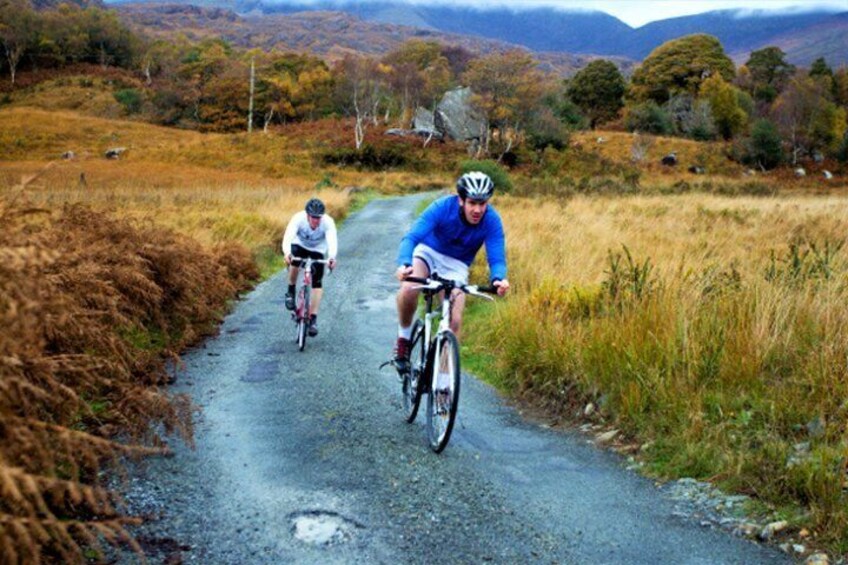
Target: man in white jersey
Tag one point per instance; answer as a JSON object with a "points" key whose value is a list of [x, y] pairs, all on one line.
{"points": [[310, 233]]}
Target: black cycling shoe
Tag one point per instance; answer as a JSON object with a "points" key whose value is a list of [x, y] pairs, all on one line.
{"points": [[313, 327], [289, 301], [402, 354]]}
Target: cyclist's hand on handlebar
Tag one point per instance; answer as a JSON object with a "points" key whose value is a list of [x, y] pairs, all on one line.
{"points": [[402, 272], [289, 259], [502, 286], [332, 264]]}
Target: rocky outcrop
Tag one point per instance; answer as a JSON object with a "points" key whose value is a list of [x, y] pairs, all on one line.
{"points": [[457, 119]]}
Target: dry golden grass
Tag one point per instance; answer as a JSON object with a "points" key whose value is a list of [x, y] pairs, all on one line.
{"points": [[723, 342], [89, 306]]}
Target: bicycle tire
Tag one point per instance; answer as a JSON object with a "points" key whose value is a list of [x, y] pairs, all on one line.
{"points": [[410, 388], [441, 412], [303, 318]]}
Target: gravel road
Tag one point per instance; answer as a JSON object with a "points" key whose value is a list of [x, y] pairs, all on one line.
{"points": [[305, 457]]}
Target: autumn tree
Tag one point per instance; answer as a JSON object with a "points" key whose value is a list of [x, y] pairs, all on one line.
{"points": [[840, 86], [769, 72], [294, 86], [723, 98], [680, 65], [598, 89], [360, 88], [419, 74], [806, 118], [507, 87], [17, 31]]}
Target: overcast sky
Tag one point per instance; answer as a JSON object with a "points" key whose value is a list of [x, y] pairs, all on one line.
{"points": [[638, 12]]}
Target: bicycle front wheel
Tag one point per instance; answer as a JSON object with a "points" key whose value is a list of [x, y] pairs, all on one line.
{"points": [[411, 379], [443, 400], [302, 317]]}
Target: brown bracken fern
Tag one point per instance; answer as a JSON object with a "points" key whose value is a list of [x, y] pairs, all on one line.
{"points": [[91, 309]]}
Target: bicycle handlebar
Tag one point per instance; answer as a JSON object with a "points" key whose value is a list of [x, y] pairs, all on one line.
{"points": [[435, 283]]}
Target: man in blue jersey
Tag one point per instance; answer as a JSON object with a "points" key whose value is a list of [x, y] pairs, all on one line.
{"points": [[445, 239]]}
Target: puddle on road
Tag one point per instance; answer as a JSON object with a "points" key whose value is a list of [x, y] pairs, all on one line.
{"points": [[322, 528]]}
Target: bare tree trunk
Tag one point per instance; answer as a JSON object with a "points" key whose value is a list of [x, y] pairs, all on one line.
{"points": [[268, 117], [252, 87], [358, 130], [13, 56], [148, 79]]}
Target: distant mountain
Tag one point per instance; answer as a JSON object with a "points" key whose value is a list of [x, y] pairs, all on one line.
{"points": [[327, 34], [53, 4], [597, 33], [540, 29], [828, 39], [804, 36], [741, 32]]}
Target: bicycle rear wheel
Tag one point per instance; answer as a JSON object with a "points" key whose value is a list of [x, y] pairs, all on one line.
{"points": [[417, 367], [443, 400], [302, 317]]}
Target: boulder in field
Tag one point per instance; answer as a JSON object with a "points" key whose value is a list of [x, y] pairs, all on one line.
{"points": [[456, 118]]}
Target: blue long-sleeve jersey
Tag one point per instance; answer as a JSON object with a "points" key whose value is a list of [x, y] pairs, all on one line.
{"points": [[443, 228]]}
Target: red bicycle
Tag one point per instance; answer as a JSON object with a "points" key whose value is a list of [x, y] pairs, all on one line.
{"points": [[300, 315]]}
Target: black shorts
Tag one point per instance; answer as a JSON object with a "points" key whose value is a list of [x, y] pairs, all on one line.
{"points": [[317, 268]]}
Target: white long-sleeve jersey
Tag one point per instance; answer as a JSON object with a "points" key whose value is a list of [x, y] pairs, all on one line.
{"points": [[322, 239]]}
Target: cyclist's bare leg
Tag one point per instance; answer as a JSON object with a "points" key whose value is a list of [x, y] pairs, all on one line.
{"points": [[315, 301], [293, 271], [407, 297], [456, 313]]}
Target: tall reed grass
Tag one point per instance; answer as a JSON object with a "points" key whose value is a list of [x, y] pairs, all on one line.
{"points": [[712, 330]]}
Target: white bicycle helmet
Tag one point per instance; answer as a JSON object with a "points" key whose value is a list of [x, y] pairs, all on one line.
{"points": [[475, 185]]}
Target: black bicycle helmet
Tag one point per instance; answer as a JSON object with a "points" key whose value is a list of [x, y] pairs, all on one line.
{"points": [[475, 185], [315, 207]]}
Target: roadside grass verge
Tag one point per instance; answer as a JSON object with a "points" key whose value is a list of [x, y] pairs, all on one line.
{"points": [[710, 329], [91, 307]]}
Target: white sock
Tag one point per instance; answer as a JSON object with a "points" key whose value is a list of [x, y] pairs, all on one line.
{"points": [[404, 332]]}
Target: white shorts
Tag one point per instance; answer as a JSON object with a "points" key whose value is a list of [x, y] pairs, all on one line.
{"points": [[446, 267]]}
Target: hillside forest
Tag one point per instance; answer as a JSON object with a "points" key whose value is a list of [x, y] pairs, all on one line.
{"points": [[695, 311], [773, 112]]}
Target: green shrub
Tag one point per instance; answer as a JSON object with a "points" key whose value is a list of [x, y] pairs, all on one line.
{"points": [[648, 117], [130, 99], [369, 157], [498, 175], [764, 146]]}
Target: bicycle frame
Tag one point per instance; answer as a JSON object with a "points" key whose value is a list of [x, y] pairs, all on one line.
{"points": [[300, 315], [442, 397]]}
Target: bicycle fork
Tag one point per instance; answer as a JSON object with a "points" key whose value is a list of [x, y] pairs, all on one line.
{"points": [[434, 357]]}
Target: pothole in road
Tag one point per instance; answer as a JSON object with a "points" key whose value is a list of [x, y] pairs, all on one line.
{"points": [[318, 527]]}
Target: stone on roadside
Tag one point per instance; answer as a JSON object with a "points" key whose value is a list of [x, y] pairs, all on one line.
{"points": [[589, 409], [606, 437], [746, 530], [770, 530], [817, 559]]}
